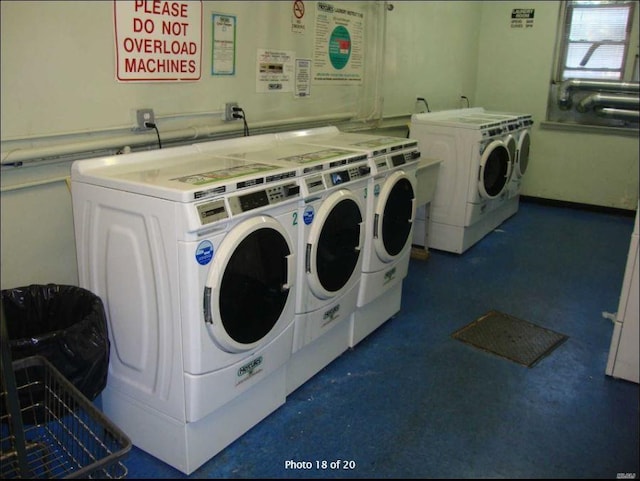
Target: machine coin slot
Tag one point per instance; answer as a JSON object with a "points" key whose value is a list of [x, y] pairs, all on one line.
{"points": [[364, 170], [397, 160], [382, 164], [315, 184], [212, 211], [291, 190]]}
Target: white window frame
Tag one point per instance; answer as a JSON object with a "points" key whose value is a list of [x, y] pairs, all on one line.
{"points": [[603, 95], [611, 71]]}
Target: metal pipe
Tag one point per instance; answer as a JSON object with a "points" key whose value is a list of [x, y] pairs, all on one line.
{"points": [[608, 100], [632, 115], [18, 155], [564, 91]]}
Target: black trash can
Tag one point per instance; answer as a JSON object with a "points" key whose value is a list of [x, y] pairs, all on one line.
{"points": [[64, 324]]}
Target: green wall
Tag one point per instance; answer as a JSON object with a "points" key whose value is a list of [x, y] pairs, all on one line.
{"points": [[514, 72]]}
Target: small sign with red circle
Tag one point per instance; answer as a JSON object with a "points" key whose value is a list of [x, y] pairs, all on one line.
{"points": [[297, 17]]}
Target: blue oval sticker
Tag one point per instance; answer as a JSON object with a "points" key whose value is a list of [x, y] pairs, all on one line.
{"points": [[308, 215], [204, 252]]}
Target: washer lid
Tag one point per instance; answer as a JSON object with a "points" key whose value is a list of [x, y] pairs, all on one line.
{"points": [[303, 158], [180, 174], [373, 145]]}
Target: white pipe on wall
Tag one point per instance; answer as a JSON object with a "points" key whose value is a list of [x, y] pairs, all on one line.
{"points": [[18, 155]]}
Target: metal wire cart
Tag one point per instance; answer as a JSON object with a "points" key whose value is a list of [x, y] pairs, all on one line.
{"points": [[49, 429]]}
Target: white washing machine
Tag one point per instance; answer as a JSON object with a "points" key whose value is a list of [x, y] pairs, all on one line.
{"points": [[391, 207], [519, 126], [195, 258], [471, 192], [331, 221], [522, 135]]}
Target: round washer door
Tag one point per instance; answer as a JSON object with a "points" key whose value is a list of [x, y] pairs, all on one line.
{"points": [[524, 143], [334, 246], [512, 147], [393, 217], [495, 164], [249, 284]]}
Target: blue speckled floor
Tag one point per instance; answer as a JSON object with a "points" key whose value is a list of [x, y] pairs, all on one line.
{"points": [[411, 402]]}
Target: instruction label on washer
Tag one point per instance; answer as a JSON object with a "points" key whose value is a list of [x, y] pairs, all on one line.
{"points": [[224, 174], [316, 156]]}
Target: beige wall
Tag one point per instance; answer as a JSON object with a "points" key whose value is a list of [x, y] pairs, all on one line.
{"points": [[514, 73], [431, 52]]}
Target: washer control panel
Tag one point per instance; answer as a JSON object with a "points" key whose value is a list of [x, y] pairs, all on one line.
{"points": [[268, 196]]}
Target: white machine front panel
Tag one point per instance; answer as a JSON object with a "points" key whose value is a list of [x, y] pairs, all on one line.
{"points": [[226, 344], [241, 247]]}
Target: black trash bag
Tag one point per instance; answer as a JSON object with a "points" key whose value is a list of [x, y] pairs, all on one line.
{"points": [[64, 324]]}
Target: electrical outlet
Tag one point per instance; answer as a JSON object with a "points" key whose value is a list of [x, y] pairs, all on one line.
{"points": [[228, 110], [143, 116]]}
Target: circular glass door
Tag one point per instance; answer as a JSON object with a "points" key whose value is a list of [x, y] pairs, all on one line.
{"points": [[494, 169], [249, 283], [512, 147], [335, 244], [523, 153], [394, 215]]}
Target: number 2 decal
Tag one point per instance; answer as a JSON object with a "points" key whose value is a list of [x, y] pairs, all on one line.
{"points": [[295, 218]]}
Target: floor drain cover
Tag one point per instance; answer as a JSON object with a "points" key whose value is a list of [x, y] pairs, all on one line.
{"points": [[510, 337]]}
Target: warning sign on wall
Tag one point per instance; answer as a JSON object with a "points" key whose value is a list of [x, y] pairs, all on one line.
{"points": [[298, 24], [158, 40]]}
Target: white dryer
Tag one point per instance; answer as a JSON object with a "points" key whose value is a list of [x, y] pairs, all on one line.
{"points": [[520, 128], [470, 196], [195, 259], [523, 146], [391, 208], [331, 221]]}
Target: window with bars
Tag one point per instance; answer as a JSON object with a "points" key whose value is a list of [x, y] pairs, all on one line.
{"points": [[595, 79]]}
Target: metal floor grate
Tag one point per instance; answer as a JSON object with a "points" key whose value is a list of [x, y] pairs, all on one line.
{"points": [[509, 337]]}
